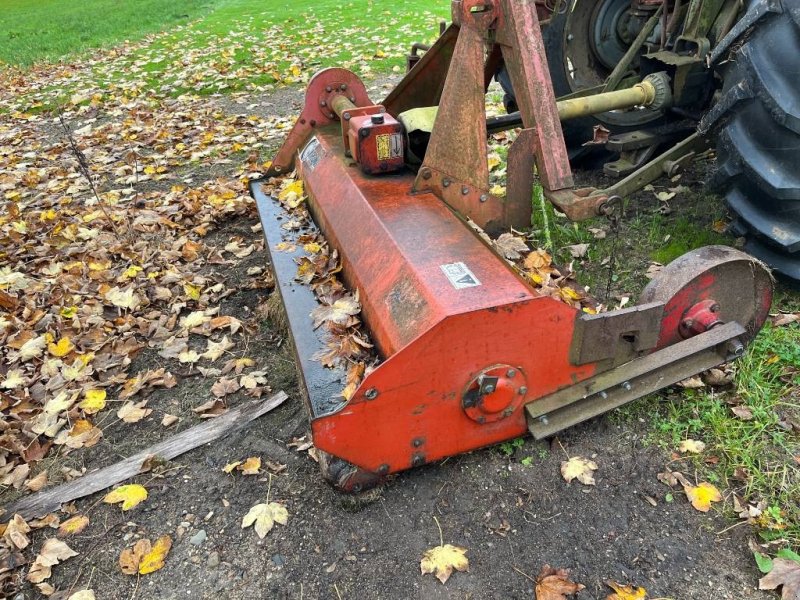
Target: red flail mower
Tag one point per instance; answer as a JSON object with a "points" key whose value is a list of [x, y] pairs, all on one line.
{"points": [[470, 353]]}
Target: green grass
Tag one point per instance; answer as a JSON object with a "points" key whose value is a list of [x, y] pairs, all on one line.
{"points": [[47, 30]]}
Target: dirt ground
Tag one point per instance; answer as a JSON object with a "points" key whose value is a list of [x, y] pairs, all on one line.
{"points": [[513, 518]]}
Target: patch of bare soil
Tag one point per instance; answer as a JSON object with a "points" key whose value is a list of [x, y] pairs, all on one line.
{"points": [[512, 518]]}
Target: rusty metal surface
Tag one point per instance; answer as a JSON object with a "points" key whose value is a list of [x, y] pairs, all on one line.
{"points": [[322, 89], [422, 85], [631, 381], [740, 284], [520, 37], [616, 336]]}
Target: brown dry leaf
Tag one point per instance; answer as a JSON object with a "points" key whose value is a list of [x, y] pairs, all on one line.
{"points": [[355, 373], [264, 516], [441, 560], [702, 495], [341, 312], [132, 412], [511, 246], [578, 250], [53, 551], [785, 319], [554, 584], [784, 573], [16, 532], [73, 525], [83, 595], [217, 349], [580, 469], [626, 592], [224, 386], [212, 408], [169, 420], [251, 466], [130, 558], [744, 413], [37, 482], [130, 495]]}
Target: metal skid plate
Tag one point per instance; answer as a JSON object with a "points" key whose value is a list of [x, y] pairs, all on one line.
{"points": [[321, 386]]}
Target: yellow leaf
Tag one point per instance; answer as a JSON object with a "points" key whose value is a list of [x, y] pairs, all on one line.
{"points": [[62, 348], [692, 446], [231, 466], [498, 190], [154, 559], [149, 170], [130, 495], [68, 312], [132, 271], [193, 291], [702, 495], [312, 247], [494, 160], [73, 525], [251, 466], [94, 401], [580, 469], [296, 188], [264, 516], [626, 592], [441, 561]]}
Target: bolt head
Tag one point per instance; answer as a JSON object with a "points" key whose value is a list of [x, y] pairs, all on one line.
{"points": [[445, 183], [484, 197], [371, 393], [488, 389], [523, 390], [426, 173], [328, 89], [511, 373], [343, 87], [464, 190], [508, 412]]}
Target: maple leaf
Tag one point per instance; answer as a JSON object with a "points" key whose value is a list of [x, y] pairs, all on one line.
{"points": [[94, 401], [264, 516], [511, 246], [580, 469], [132, 412], [188, 356], [702, 495], [130, 558], [340, 312], [441, 560], [130, 495], [626, 592], [224, 386], [13, 380], [785, 572], [73, 525], [53, 552], [154, 559], [62, 348], [693, 446], [216, 349], [33, 348], [554, 584]]}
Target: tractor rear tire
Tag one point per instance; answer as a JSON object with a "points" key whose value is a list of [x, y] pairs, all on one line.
{"points": [[757, 122]]}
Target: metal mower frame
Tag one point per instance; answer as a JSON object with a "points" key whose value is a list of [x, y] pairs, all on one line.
{"points": [[471, 354]]}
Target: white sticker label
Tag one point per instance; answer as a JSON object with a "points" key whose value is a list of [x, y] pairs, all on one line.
{"points": [[460, 275]]}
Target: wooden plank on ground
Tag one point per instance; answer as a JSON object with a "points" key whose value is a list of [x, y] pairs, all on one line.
{"points": [[49, 500]]}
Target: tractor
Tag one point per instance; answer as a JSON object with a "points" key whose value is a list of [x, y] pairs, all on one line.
{"points": [[396, 246]]}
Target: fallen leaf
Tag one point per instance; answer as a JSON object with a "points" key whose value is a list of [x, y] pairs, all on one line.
{"points": [[692, 446], [130, 558], [217, 349], [93, 402], [132, 412], [441, 560], [169, 420], [16, 532], [264, 516], [580, 469], [338, 313], [83, 595], [53, 552], [702, 495], [784, 573], [692, 383], [744, 413], [224, 386], [37, 482], [511, 246], [62, 348], [130, 495], [578, 250], [154, 559], [625, 592], [251, 466], [554, 584], [73, 525]]}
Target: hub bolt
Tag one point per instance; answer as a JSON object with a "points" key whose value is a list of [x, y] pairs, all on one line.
{"points": [[371, 394], [464, 190], [343, 87], [511, 373], [484, 197], [445, 183], [426, 173], [328, 89], [488, 389], [523, 390], [626, 386]]}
